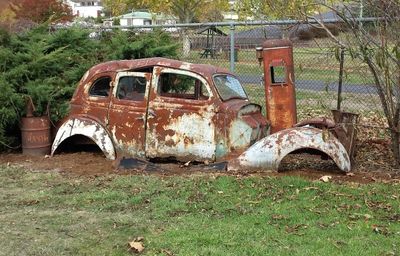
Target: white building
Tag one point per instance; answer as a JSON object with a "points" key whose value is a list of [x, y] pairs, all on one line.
{"points": [[85, 8], [136, 18], [228, 16], [143, 17]]}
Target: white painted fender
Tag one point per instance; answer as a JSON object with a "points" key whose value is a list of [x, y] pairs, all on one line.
{"points": [[268, 152], [88, 128]]}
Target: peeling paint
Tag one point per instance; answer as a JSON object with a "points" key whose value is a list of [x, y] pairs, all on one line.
{"points": [[88, 128], [268, 152], [196, 126]]}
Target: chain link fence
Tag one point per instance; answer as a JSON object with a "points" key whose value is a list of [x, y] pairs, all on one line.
{"points": [[316, 63]]}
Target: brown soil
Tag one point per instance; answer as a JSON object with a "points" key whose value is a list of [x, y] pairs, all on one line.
{"points": [[373, 165]]}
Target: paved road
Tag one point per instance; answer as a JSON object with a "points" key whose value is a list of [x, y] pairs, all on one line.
{"points": [[314, 85]]}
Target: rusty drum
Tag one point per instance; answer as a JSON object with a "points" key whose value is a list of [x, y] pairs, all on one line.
{"points": [[35, 133]]}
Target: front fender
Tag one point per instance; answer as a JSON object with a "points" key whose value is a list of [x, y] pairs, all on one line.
{"points": [[88, 128], [268, 152]]}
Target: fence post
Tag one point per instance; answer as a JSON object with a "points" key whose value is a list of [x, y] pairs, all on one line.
{"points": [[232, 48], [339, 100]]}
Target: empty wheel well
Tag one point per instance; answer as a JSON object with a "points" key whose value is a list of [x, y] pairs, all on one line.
{"points": [[78, 143], [309, 159]]}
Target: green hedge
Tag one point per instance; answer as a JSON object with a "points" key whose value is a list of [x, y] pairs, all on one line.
{"points": [[46, 65]]}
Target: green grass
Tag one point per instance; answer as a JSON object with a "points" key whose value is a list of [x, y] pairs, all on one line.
{"points": [[311, 63], [320, 100], [51, 214]]}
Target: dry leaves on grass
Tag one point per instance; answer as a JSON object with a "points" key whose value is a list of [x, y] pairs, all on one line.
{"points": [[136, 246], [325, 178], [295, 229]]}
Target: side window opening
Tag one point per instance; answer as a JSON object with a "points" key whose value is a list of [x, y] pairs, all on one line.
{"points": [[181, 86], [203, 93], [131, 88], [278, 74], [101, 87]]}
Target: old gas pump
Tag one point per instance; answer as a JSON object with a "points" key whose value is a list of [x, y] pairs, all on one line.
{"points": [[280, 97]]}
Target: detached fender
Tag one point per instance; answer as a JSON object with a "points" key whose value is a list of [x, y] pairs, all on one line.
{"points": [[88, 128], [268, 152]]}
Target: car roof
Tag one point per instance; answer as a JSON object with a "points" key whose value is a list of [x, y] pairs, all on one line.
{"points": [[126, 65]]}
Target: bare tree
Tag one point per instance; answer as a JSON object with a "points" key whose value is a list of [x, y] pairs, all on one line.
{"points": [[379, 50]]}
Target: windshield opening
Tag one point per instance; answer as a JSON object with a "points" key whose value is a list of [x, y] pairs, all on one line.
{"points": [[229, 87]]}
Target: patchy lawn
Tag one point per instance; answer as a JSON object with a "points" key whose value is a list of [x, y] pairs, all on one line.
{"points": [[48, 213]]}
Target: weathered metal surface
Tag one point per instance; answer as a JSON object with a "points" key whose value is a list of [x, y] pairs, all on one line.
{"points": [[342, 127], [277, 56], [182, 128], [346, 131], [88, 128], [160, 125], [127, 119], [317, 122], [136, 164], [267, 153], [35, 135], [197, 124]]}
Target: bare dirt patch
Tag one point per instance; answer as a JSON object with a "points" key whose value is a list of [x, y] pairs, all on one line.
{"points": [[373, 164], [79, 163]]}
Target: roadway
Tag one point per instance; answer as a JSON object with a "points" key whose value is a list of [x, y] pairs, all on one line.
{"points": [[315, 85]]}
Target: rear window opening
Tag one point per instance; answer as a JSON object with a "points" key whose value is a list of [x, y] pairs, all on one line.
{"points": [[131, 88], [100, 87]]}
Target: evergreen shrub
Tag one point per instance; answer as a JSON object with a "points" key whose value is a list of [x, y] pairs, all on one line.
{"points": [[47, 65]]}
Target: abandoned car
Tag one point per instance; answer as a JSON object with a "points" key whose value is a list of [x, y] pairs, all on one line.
{"points": [[162, 108]]}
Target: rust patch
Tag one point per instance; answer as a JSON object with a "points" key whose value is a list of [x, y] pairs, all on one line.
{"points": [[279, 94]]}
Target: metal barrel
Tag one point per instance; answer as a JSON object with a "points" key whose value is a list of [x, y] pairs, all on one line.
{"points": [[35, 135]]}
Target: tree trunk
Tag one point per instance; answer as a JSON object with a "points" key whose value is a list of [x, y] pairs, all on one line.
{"points": [[395, 136], [185, 43]]}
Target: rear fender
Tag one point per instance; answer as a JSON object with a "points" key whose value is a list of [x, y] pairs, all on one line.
{"points": [[88, 128], [268, 152]]}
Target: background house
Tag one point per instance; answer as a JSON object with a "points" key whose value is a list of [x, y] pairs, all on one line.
{"points": [[136, 18], [254, 37], [85, 8], [143, 17]]}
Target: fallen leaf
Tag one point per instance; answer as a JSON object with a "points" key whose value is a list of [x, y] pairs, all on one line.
{"points": [[350, 174], [367, 216], [278, 217], [310, 188], [380, 230], [184, 165], [136, 247], [325, 178], [295, 228], [169, 253]]}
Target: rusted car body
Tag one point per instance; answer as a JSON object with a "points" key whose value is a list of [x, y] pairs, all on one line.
{"points": [[162, 108]]}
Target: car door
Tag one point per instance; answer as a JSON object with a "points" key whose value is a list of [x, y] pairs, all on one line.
{"points": [[180, 116], [97, 98], [127, 113]]}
